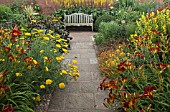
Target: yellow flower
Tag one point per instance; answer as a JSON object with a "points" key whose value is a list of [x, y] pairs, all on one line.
{"points": [[42, 51], [46, 69], [27, 34], [57, 36], [70, 65], [2, 59], [64, 72], [75, 78], [58, 45], [58, 40], [42, 86], [39, 31], [61, 85], [58, 58], [38, 98], [18, 74], [45, 58], [29, 67], [62, 57], [33, 21], [55, 50], [35, 62], [65, 50], [9, 45], [74, 61], [48, 81], [46, 38]]}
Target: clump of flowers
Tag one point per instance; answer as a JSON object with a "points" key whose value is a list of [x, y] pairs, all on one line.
{"points": [[138, 78], [31, 64]]}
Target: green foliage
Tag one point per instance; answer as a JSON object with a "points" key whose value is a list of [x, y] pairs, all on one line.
{"points": [[103, 18], [107, 30], [130, 28], [146, 6], [5, 13]]}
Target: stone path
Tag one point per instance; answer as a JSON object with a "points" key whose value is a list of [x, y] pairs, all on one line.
{"points": [[81, 95]]}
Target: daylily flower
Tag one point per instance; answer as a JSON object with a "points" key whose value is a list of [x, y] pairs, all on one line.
{"points": [[156, 32], [11, 57], [161, 66], [139, 54], [148, 91], [7, 108], [6, 49], [122, 65], [3, 88], [129, 103]]}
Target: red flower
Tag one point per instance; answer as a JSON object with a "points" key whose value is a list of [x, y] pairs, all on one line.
{"points": [[110, 99], [6, 49], [139, 54], [154, 50], [122, 65], [156, 32], [15, 33], [7, 108], [148, 91], [129, 103], [11, 57], [4, 88], [161, 66]]}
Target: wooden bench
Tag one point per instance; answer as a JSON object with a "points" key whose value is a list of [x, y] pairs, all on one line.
{"points": [[78, 19]]}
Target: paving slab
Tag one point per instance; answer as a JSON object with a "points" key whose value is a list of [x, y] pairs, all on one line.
{"points": [[82, 95]]}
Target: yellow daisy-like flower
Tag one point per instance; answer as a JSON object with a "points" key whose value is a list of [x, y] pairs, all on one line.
{"points": [[74, 61], [27, 34], [18, 74], [62, 57], [65, 50], [46, 38], [42, 51], [64, 72], [46, 69], [61, 85], [42, 86], [58, 58], [38, 98], [48, 81], [58, 45]]}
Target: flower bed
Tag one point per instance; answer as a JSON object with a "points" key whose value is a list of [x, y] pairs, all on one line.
{"points": [[138, 74], [31, 55]]}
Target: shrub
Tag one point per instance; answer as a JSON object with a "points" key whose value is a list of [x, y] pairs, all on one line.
{"points": [[103, 18], [5, 12], [107, 30], [130, 28]]}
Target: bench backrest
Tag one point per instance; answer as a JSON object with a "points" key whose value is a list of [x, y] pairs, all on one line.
{"points": [[78, 18]]}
